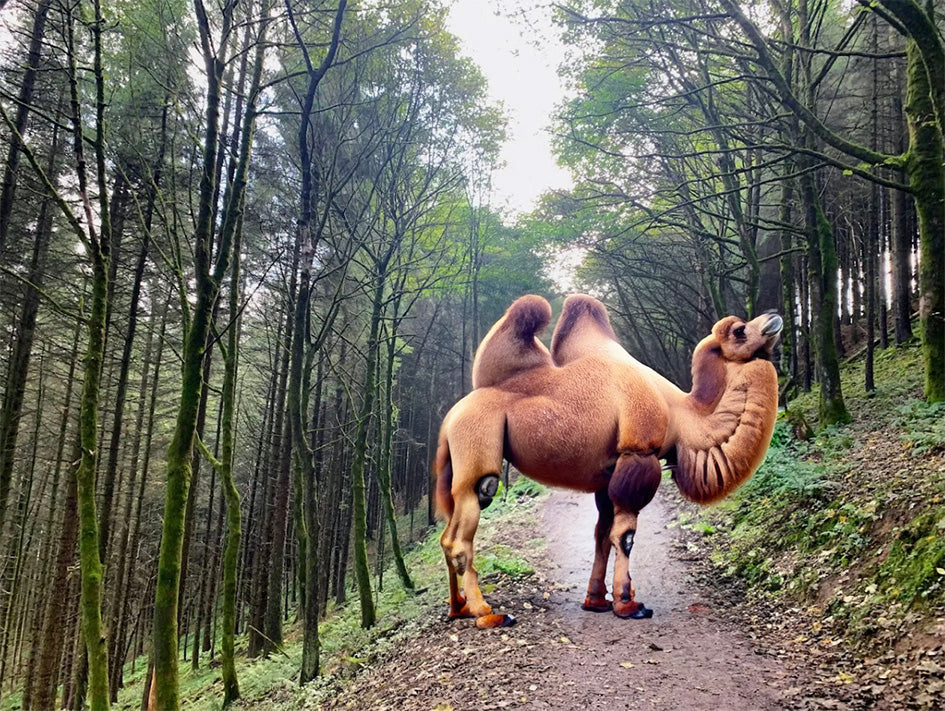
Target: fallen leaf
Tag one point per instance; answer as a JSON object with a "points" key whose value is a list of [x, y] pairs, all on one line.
{"points": [[627, 665]]}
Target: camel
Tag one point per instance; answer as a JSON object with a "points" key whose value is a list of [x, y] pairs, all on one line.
{"points": [[588, 416]]}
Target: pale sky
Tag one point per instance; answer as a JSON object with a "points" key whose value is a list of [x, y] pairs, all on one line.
{"points": [[519, 59]]}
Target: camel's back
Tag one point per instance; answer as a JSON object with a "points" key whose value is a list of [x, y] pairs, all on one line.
{"points": [[566, 425]]}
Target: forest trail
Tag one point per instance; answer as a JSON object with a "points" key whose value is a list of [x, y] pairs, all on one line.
{"points": [[691, 655], [688, 656]]}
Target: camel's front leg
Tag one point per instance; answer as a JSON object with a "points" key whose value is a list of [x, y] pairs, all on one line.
{"points": [[457, 543], [596, 600], [632, 486]]}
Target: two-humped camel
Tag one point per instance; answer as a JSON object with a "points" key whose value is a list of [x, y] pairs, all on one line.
{"points": [[588, 416]]}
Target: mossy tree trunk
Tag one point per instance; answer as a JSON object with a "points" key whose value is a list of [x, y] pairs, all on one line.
{"points": [[360, 452], [310, 231], [231, 231], [97, 245], [822, 270], [927, 179], [389, 425], [207, 278]]}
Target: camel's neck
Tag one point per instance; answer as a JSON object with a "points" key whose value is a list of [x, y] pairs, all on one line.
{"points": [[708, 375]]}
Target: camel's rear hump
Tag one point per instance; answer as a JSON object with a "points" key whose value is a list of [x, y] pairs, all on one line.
{"points": [[582, 327]]}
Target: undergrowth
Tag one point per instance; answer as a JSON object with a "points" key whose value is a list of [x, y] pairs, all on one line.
{"points": [[851, 521], [271, 683]]}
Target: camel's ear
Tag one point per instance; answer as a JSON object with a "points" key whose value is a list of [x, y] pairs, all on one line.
{"points": [[512, 346]]}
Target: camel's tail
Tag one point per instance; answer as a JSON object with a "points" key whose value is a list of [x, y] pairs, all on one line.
{"points": [[443, 471], [511, 346], [717, 452]]}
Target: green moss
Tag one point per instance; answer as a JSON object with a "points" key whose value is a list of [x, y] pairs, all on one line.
{"points": [[502, 559], [914, 570]]}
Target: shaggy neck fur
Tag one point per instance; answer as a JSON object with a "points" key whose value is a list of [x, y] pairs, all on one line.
{"points": [[725, 423]]}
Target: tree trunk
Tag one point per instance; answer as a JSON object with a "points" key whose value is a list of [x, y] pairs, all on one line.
{"points": [[180, 453], [128, 553], [822, 270], [18, 366], [41, 681], [360, 452], [24, 106], [927, 179], [384, 466]]}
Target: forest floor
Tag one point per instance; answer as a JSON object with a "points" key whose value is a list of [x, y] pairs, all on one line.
{"points": [[704, 648], [819, 585]]}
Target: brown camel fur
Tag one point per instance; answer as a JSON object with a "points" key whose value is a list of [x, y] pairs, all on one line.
{"points": [[588, 416]]}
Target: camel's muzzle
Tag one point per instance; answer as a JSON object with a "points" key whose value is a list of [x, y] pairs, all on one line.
{"points": [[774, 325]]}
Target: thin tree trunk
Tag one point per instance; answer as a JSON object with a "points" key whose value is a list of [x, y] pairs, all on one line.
{"points": [[128, 550], [18, 366], [360, 452], [384, 466], [180, 453], [822, 270], [40, 686], [98, 246], [24, 106]]}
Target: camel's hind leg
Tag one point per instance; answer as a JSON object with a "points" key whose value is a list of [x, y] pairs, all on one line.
{"points": [[596, 600], [457, 543], [632, 487]]}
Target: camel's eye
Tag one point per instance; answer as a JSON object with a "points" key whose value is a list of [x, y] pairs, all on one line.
{"points": [[739, 332]]}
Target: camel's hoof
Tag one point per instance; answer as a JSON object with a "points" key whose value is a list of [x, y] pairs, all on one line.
{"points": [[461, 614], [597, 604], [491, 621], [632, 610]]}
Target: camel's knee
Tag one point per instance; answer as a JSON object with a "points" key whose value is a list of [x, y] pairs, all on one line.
{"points": [[458, 560], [486, 489], [622, 538], [626, 541], [623, 532]]}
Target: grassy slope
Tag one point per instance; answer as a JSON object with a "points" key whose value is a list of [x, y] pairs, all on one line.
{"points": [[272, 683], [851, 522]]}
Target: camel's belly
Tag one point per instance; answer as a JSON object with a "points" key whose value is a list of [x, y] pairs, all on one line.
{"points": [[569, 452]]}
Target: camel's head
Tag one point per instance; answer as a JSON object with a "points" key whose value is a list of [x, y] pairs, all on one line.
{"points": [[741, 341]]}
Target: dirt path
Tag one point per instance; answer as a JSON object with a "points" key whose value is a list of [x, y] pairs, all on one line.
{"points": [[689, 656]]}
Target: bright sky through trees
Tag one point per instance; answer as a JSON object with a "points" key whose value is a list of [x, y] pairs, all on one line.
{"points": [[515, 45]]}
